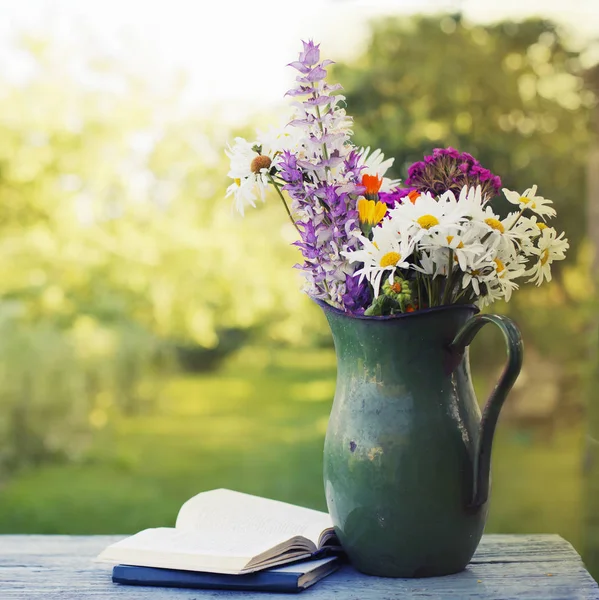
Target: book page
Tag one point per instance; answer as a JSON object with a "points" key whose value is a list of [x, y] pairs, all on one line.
{"points": [[180, 549], [329, 538], [253, 521]]}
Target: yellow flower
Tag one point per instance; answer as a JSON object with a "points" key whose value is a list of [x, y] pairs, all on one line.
{"points": [[371, 212]]}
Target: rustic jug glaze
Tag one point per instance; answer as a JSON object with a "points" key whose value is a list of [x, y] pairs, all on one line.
{"points": [[407, 453]]}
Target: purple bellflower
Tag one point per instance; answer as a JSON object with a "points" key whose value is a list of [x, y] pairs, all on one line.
{"points": [[322, 178]]}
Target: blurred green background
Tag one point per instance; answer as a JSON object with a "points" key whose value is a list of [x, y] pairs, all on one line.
{"points": [[153, 345]]}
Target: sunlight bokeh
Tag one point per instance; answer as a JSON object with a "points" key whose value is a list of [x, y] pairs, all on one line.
{"points": [[230, 55]]}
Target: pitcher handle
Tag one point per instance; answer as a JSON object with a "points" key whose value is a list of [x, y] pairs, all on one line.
{"points": [[482, 456]]}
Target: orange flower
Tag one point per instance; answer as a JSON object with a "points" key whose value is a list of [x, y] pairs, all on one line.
{"points": [[413, 196], [372, 183]]}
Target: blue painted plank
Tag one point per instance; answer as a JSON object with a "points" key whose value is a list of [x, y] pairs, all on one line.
{"points": [[543, 567]]}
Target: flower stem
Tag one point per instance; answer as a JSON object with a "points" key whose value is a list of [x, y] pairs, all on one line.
{"points": [[325, 151], [460, 295], [514, 223], [429, 290], [448, 282], [278, 188]]}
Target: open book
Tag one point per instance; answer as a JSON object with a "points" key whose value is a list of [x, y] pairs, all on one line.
{"points": [[222, 531]]}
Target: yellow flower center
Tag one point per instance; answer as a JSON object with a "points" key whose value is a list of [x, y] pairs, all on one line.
{"points": [[526, 200], [390, 259], [544, 256], [500, 265], [237, 181], [495, 224], [371, 212], [427, 221], [449, 239], [541, 226]]}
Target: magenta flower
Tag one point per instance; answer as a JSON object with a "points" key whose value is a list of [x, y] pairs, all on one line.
{"points": [[447, 169]]}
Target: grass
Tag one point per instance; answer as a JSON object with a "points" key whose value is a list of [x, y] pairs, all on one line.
{"points": [[258, 426]]}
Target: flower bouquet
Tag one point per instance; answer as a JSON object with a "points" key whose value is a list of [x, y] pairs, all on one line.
{"points": [[372, 247], [400, 272]]}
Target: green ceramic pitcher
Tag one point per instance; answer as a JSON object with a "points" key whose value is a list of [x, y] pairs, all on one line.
{"points": [[407, 454]]}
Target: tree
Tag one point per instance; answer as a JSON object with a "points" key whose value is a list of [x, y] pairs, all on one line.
{"points": [[117, 243]]}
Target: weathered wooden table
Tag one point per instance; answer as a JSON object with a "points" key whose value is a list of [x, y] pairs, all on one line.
{"points": [[545, 567]]}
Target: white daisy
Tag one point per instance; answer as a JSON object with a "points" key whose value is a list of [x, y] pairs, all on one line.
{"points": [[506, 268], [385, 253], [481, 217], [249, 171], [241, 155], [480, 271], [492, 292], [529, 200], [521, 231], [276, 140], [243, 192], [426, 215], [550, 247], [471, 202], [512, 233], [537, 225], [515, 230], [431, 263], [463, 241]]}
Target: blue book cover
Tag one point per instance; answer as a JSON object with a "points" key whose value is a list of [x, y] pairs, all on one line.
{"points": [[290, 578]]}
